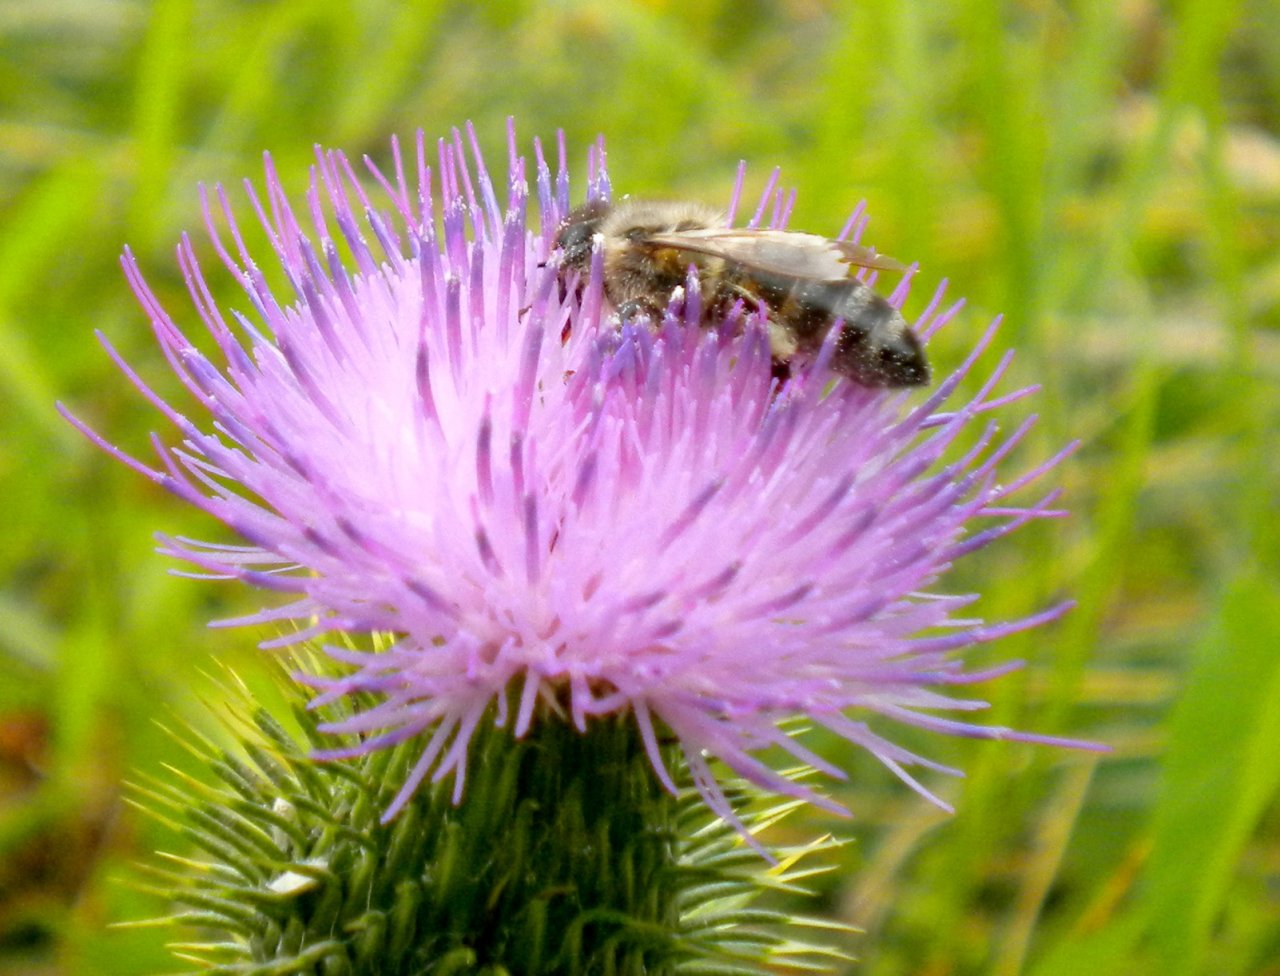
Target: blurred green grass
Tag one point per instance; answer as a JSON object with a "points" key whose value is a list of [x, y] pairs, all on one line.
{"points": [[1106, 175]]}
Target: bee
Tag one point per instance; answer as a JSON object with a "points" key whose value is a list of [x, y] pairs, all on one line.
{"points": [[803, 283]]}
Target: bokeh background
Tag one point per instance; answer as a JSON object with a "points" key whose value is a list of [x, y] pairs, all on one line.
{"points": [[1107, 174]]}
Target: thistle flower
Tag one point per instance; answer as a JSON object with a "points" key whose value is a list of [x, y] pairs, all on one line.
{"points": [[556, 515]]}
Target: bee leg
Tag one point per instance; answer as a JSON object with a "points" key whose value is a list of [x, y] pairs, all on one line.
{"points": [[639, 308]]}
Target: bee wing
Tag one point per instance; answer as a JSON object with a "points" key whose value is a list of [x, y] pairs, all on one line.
{"points": [[781, 252]]}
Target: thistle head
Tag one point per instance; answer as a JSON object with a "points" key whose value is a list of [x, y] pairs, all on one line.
{"points": [[553, 514]]}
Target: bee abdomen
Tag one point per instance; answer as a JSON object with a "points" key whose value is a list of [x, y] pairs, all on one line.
{"points": [[809, 310], [876, 347]]}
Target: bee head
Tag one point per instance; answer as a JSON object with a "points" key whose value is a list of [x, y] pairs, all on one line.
{"points": [[576, 233]]}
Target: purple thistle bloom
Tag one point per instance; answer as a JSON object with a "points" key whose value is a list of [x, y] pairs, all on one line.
{"points": [[443, 445]]}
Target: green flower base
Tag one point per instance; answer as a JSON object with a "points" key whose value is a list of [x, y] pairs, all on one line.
{"points": [[565, 856]]}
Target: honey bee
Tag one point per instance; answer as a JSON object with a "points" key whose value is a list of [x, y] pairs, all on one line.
{"points": [[803, 283]]}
